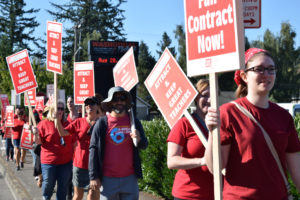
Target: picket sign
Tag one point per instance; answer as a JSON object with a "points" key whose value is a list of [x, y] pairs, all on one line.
{"points": [[215, 43], [22, 75], [27, 137], [9, 115], [125, 75]]}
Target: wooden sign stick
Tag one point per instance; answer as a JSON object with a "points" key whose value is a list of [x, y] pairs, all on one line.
{"points": [[213, 82], [55, 97]]}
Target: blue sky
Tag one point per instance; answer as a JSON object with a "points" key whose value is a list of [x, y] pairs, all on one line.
{"points": [[147, 19]]}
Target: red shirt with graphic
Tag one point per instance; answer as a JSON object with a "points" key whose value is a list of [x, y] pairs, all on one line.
{"points": [[79, 129], [52, 151], [251, 171], [118, 157]]}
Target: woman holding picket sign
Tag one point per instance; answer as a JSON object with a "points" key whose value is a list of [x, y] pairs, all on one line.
{"points": [[259, 142], [186, 152]]}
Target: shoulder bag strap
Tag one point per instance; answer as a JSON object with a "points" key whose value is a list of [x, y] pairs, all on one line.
{"points": [[267, 138]]}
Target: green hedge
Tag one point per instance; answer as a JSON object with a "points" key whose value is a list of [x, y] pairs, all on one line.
{"points": [[158, 179]]}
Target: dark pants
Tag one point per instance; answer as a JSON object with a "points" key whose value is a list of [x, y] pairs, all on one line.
{"points": [[53, 173], [9, 148]]}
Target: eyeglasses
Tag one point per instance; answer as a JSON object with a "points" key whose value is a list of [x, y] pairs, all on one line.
{"points": [[119, 98], [261, 70], [60, 108]]}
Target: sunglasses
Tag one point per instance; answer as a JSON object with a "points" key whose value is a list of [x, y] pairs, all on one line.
{"points": [[261, 70], [119, 98], [60, 108], [90, 103]]}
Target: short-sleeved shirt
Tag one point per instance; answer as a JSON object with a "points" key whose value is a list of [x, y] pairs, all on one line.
{"points": [[18, 128], [196, 183], [79, 128], [52, 150], [118, 157], [251, 171]]}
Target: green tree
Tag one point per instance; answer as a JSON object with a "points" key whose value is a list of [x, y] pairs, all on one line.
{"points": [[17, 26], [180, 36], [146, 64], [165, 43], [86, 16]]}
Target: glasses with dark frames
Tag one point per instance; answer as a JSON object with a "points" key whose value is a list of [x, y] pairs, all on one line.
{"points": [[60, 108], [261, 69]]}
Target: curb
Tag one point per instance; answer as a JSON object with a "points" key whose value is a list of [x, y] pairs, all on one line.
{"points": [[18, 190]]}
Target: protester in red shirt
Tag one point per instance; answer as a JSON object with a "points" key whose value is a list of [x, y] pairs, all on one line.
{"points": [[81, 128], [72, 110], [19, 122], [186, 152], [251, 169], [56, 154]]}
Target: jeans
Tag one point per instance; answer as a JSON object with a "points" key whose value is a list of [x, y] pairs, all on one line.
{"points": [[52, 173], [33, 157], [9, 148]]}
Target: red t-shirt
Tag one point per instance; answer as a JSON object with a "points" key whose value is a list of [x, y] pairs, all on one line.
{"points": [[17, 129], [52, 152], [196, 183], [251, 171], [118, 158], [79, 129]]}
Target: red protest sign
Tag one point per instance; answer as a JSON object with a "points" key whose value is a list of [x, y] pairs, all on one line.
{"points": [[124, 72], [83, 81], [54, 47], [214, 36], [9, 116], [21, 71], [8, 132], [26, 138], [4, 102], [39, 103], [252, 13], [32, 97], [170, 88]]}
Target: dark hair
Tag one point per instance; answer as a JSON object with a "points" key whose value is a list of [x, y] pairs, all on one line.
{"points": [[242, 89]]}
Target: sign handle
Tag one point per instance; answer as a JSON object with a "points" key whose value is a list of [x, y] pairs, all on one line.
{"points": [[55, 97], [132, 126], [213, 82], [196, 128], [30, 109], [83, 111]]}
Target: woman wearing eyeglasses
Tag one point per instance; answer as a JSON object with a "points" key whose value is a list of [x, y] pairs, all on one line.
{"points": [[81, 128], [56, 153], [252, 171]]}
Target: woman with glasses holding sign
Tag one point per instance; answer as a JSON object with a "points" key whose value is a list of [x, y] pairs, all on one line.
{"points": [[81, 128], [56, 153], [259, 142], [186, 152]]}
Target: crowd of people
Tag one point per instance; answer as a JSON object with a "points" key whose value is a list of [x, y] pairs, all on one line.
{"points": [[94, 152]]}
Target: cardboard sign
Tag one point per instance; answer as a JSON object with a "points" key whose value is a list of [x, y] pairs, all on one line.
{"points": [[170, 88], [4, 102], [21, 71], [252, 13], [9, 116], [32, 97], [26, 138], [54, 47], [15, 99], [214, 36], [83, 81], [125, 74], [39, 103]]}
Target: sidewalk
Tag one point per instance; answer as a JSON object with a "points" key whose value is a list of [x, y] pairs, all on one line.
{"points": [[23, 185]]}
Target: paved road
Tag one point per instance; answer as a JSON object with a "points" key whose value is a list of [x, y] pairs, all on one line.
{"points": [[21, 185]]}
